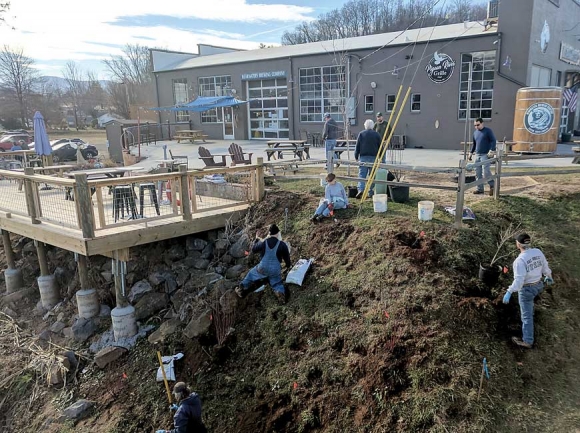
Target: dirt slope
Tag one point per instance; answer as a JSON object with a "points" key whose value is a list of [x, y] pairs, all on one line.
{"points": [[386, 334]]}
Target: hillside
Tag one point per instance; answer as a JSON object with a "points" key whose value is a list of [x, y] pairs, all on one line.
{"points": [[386, 334]]}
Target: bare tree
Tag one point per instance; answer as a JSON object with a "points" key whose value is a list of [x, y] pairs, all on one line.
{"points": [[48, 99], [365, 17], [17, 78], [3, 8], [77, 87], [135, 71], [95, 96], [118, 98]]}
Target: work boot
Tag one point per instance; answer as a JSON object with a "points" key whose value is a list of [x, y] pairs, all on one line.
{"points": [[478, 192], [319, 218], [240, 291], [491, 191], [521, 343], [281, 297], [314, 218]]}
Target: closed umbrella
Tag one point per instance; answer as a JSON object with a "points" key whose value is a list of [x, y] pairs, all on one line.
{"points": [[41, 142]]}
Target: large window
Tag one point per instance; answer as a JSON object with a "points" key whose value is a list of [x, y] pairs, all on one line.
{"points": [[481, 66], [214, 86], [415, 102], [180, 97], [391, 102], [369, 103], [541, 76], [322, 90], [268, 108]]}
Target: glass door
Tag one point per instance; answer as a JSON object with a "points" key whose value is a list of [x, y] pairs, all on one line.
{"points": [[228, 116]]}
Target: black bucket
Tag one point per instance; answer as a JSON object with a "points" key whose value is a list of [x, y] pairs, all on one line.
{"points": [[399, 194], [489, 274], [352, 191]]}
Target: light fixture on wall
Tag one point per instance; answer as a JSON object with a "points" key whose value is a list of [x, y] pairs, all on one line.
{"points": [[373, 85]]}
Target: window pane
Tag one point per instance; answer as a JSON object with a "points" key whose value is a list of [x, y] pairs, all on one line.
{"points": [[483, 66]]}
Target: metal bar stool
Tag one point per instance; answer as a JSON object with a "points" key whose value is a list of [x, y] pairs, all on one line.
{"points": [[124, 198], [152, 197]]}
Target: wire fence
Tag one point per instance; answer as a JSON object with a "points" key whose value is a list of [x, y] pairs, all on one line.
{"points": [[12, 198], [55, 203]]}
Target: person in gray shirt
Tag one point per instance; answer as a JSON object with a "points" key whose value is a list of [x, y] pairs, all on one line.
{"points": [[334, 198], [330, 133]]}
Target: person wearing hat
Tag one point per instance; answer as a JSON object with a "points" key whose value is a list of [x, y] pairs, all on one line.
{"points": [[273, 251], [529, 267], [381, 126], [187, 419], [330, 133], [367, 148]]}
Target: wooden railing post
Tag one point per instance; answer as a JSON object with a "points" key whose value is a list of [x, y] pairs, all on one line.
{"points": [[460, 194], [184, 193], [84, 205], [31, 200], [8, 251], [498, 162], [260, 186]]}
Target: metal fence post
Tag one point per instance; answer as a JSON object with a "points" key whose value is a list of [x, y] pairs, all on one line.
{"points": [[460, 194], [498, 162]]}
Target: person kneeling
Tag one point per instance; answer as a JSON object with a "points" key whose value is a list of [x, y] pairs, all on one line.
{"points": [[334, 198], [273, 251]]}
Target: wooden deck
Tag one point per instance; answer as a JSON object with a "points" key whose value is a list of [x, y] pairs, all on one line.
{"points": [[87, 225]]}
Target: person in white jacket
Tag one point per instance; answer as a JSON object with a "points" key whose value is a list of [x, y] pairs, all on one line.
{"points": [[529, 267]]}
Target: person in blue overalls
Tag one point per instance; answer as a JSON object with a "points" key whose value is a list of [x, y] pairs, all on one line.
{"points": [[273, 251]]}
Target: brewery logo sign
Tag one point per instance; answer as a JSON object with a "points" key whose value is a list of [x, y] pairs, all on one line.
{"points": [[440, 68], [539, 118]]}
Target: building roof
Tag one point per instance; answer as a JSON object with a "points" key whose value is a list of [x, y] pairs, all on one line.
{"points": [[451, 31]]}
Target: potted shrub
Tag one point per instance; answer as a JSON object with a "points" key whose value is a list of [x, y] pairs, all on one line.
{"points": [[489, 272]]}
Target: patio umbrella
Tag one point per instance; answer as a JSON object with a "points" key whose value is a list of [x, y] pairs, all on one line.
{"points": [[41, 142]]}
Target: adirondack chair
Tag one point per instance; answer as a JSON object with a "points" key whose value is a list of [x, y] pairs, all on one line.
{"points": [[206, 156], [179, 159], [237, 154]]}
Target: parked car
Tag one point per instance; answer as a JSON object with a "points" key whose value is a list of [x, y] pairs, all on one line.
{"points": [[64, 140], [67, 150], [7, 141]]}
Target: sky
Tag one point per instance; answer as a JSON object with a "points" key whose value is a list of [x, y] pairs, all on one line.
{"points": [[53, 32]]}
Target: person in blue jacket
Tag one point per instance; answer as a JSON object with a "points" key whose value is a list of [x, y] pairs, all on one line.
{"points": [[483, 143], [273, 251], [187, 419]]}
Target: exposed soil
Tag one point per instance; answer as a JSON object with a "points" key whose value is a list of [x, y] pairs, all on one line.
{"points": [[387, 333]]}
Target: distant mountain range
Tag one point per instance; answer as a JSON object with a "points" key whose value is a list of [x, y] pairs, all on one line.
{"points": [[61, 83]]}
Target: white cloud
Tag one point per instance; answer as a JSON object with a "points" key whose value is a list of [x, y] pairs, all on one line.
{"points": [[61, 30]]}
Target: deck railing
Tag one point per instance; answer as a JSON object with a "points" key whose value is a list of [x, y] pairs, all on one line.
{"points": [[94, 206]]}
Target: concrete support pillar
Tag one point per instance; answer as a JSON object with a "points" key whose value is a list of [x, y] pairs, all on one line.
{"points": [[87, 300], [123, 316], [49, 292], [12, 276]]}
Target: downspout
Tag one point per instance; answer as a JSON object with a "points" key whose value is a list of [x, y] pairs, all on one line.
{"points": [[501, 74], [291, 116], [158, 104]]}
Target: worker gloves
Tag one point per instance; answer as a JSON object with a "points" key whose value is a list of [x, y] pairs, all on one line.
{"points": [[548, 281], [506, 298]]}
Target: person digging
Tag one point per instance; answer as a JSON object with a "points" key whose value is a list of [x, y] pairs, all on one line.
{"points": [[529, 267], [187, 419], [273, 252]]}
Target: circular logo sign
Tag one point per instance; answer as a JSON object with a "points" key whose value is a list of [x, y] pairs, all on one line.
{"points": [[440, 68], [539, 118]]}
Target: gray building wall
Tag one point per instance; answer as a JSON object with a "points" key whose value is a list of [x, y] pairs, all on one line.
{"points": [[519, 27]]}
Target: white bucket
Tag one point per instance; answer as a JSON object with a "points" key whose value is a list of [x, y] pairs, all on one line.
{"points": [[323, 181], [380, 202], [425, 210]]}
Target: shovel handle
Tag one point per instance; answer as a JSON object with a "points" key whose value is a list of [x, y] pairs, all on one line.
{"points": [[164, 378]]}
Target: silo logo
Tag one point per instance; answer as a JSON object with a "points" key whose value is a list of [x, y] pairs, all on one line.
{"points": [[539, 118], [440, 68]]}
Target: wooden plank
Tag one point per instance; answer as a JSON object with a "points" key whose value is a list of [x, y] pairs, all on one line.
{"points": [[184, 188], [123, 254], [174, 196], [260, 179], [193, 189], [30, 199], [101, 208], [460, 195], [201, 222], [61, 237], [85, 207]]}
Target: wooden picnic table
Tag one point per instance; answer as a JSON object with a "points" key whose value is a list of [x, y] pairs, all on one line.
{"points": [[23, 155], [59, 169], [111, 172], [190, 134], [296, 147]]}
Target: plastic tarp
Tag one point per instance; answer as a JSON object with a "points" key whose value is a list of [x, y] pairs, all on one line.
{"points": [[204, 103]]}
